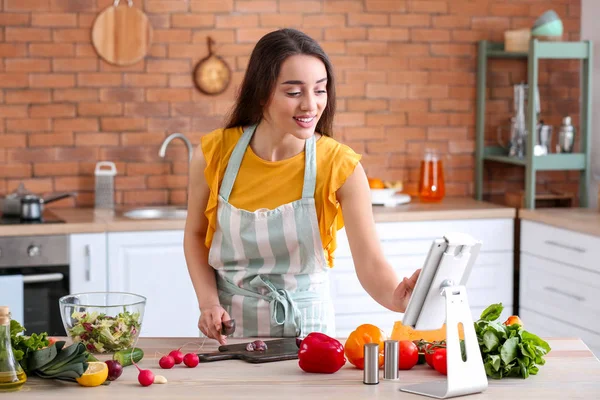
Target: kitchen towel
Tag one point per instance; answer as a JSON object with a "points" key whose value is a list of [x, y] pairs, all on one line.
{"points": [[11, 295]]}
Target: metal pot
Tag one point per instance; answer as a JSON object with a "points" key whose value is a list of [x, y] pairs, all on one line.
{"points": [[11, 203], [32, 206]]}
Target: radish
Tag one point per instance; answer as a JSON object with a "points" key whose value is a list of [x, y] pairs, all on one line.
{"points": [[166, 362], [191, 360], [177, 356], [145, 377]]}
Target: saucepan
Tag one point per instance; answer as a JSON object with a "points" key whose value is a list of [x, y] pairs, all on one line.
{"points": [[32, 206]]}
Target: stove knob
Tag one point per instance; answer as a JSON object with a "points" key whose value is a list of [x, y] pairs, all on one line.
{"points": [[33, 251]]}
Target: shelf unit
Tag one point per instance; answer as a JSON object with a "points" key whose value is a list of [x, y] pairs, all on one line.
{"points": [[550, 162]]}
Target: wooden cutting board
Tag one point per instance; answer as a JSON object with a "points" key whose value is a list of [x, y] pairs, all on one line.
{"points": [[277, 350], [122, 35]]}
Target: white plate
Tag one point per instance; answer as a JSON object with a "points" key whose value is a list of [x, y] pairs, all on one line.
{"points": [[389, 199]]}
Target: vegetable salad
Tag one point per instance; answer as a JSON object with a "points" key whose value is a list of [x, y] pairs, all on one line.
{"points": [[101, 333]]}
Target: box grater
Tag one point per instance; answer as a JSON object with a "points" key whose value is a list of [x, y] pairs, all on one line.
{"points": [[105, 189]]}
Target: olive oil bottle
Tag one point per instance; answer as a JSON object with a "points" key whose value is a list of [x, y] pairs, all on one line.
{"points": [[12, 376]]}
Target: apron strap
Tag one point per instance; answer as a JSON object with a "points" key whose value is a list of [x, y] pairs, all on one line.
{"points": [[310, 168], [234, 162]]}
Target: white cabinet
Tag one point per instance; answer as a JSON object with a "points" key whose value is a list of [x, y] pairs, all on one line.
{"points": [[87, 264], [152, 264], [405, 245], [560, 283]]}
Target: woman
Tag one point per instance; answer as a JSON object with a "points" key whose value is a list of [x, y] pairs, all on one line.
{"points": [[264, 203]]}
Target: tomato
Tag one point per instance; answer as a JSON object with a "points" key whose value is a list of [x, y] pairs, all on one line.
{"points": [[430, 350], [429, 354], [408, 354], [440, 363]]}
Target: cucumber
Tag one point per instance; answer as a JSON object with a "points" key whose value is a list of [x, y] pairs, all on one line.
{"points": [[124, 356]]}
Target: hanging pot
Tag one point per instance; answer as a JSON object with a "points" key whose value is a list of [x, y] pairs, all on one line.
{"points": [[32, 206]]}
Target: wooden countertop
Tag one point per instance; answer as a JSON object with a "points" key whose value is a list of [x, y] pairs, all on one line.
{"points": [[449, 208], [571, 371], [88, 220], [583, 220]]}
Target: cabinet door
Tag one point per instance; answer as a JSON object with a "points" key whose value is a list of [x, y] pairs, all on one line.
{"points": [[152, 264], [87, 266]]}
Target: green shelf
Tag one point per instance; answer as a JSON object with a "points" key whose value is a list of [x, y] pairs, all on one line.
{"points": [[581, 50], [550, 162]]}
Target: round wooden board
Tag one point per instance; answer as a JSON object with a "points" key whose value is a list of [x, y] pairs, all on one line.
{"points": [[122, 35], [212, 75]]}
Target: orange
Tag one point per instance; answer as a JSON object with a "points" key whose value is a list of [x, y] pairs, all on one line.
{"points": [[375, 183]]}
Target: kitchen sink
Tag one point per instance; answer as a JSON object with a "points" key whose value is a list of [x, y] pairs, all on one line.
{"points": [[156, 213]]}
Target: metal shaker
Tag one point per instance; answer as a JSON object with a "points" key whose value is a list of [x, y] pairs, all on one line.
{"points": [[566, 136], [390, 357], [371, 371]]}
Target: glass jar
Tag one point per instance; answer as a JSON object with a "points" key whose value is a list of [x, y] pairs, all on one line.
{"points": [[431, 178], [12, 376]]}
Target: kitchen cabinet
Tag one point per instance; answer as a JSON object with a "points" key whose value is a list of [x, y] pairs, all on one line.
{"points": [[152, 264], [405, 245], [560, 282], [87, 263]]}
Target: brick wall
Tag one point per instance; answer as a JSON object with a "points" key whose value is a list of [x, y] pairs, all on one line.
{"points": [[406, 73]]}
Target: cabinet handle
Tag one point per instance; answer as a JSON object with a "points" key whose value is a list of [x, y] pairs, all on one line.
{"points": [[88, 262], [564, 246], [558, 291], [43, 278]]}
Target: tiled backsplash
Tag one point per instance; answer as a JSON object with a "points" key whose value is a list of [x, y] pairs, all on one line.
{"points": [[406, 73]]}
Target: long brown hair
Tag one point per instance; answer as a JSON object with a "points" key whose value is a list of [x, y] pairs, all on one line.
{"points": [[262, 72]]}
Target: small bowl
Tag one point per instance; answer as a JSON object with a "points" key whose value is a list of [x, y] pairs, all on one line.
{"points": [[105, 322], [550, 29]]}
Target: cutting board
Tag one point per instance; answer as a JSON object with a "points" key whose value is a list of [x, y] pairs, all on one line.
{"points": [[122, 35], [277, 350]]}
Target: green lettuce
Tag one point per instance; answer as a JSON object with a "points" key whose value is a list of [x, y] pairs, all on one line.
{"points": [[508, 351]]}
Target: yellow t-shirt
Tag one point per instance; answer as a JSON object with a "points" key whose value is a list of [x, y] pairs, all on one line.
{"points": [[269, 184]]}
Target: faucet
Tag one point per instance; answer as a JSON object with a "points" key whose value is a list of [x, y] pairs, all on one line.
{"points": [[165, 144]]}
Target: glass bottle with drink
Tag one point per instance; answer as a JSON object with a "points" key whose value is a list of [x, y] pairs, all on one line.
{"points": [[12, 376], [431, 179]]}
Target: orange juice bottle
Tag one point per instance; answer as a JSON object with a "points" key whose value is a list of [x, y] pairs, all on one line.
{"points": [[431, 179]]}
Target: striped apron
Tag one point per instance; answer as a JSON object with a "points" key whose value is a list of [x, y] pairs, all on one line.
{"points": [[272, 277]]}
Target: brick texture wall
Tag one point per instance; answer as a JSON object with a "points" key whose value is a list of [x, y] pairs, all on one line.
{"points": [[406, 73]]}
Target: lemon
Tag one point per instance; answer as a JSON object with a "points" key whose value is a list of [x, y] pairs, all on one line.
{"points": [[95, 375]]}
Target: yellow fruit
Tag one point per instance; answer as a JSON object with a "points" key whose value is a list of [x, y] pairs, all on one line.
{"points": [[95, 375], [398, 185], [402, 332]]}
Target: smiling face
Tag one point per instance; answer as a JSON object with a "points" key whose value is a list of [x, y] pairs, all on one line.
{"points": [[299, 96]]}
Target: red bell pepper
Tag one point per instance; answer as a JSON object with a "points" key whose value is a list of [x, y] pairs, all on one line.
{"points": [[320, 353]]}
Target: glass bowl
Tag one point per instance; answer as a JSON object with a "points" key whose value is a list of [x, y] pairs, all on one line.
{"points": [[104, 321]]}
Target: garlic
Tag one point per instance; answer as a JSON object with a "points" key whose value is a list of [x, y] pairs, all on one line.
{"points": [[160, 379]]}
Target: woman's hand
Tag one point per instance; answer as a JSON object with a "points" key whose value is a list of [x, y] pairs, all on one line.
{"points": [[404, 290], [210, 322]]}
